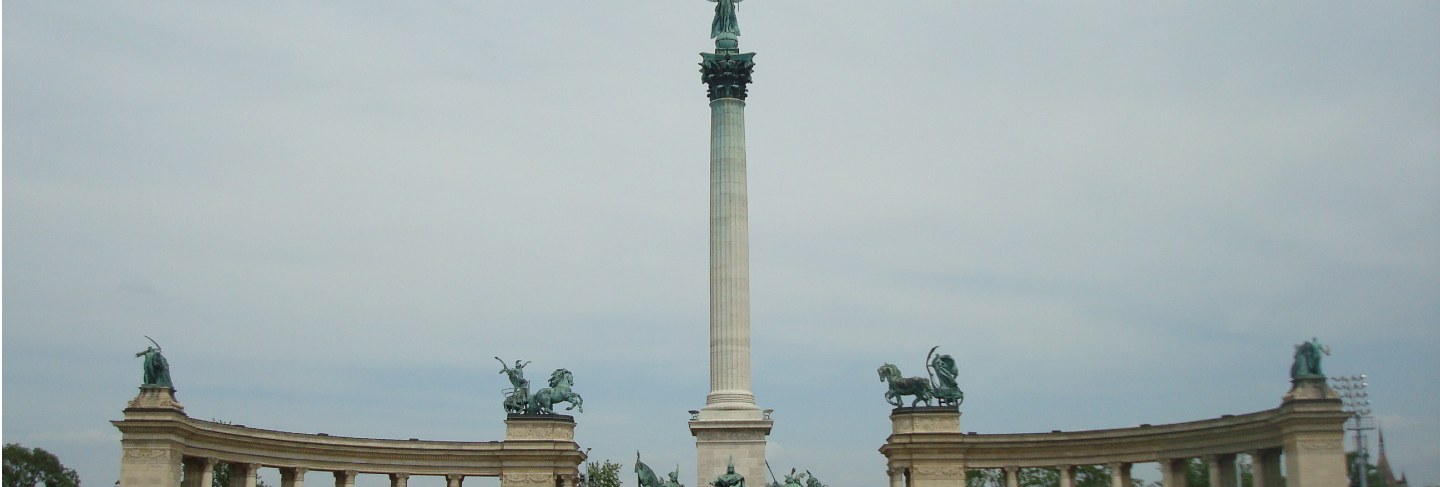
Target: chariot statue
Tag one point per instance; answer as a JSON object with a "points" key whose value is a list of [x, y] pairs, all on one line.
{"points": [[941, 386], [518, 399]]}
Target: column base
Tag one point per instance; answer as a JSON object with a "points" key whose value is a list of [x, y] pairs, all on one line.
{"points": [[719, 442]]}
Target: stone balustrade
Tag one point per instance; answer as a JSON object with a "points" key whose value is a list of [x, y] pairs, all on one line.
{"points": [[161, 445], [927, 449]]}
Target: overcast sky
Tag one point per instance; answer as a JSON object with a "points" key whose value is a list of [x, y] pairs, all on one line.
{"points": [[334, 214]]}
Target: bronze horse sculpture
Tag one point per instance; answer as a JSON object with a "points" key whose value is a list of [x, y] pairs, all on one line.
{"points": [[904, 386]]}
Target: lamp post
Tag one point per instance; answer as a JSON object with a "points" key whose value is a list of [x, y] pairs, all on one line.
{"points": [[1357, 402]]}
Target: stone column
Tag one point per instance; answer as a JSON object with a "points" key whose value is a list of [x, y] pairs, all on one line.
{"points": [[1265, 468], [243, 474], [399, 479], [897, 477], [729, 244], [1012, 476], [200, 472], [1172, 472], [731, 427], [293, 476], [1119, 474], [345, 478], [1222, 470], [454, 480], [1067, 476]]}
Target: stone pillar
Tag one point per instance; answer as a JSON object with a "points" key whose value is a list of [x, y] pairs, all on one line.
{"points": [[293, 476], [1222, 470], [399, 479], [345, 478], [150, 457], [1265, 468], [1172, 472], [1119, 474], [897, 476], [1012, 476], [455, 480], [910, 425], [147, 464], [1067, 476], [243, 474], [1313, 435], [200, 472]]}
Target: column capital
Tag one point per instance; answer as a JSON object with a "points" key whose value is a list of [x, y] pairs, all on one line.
{"points": [[726, 74]]}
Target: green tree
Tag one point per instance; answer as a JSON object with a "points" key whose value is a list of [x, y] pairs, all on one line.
{"points": [[1370, 471], [984, 477], [605, 474], [25, 467]]}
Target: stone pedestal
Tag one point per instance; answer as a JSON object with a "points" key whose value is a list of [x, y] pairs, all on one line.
{"points": [[151, 458], [920, 425], [543, 427], [546, 432], [938, 419], [719, 442], [1310, 388]]}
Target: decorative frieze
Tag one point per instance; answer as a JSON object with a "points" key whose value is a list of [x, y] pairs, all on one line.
{"points": [[528, 478], [149, 456]]}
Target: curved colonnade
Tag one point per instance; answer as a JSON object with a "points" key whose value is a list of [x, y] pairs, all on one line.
{"points": [[161, 445], [927, 449]]}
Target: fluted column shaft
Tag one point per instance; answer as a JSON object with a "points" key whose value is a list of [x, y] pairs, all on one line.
{"points": [[729, 257]]}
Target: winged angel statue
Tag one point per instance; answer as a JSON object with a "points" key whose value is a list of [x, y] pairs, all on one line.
{"points": [[724, 22]]}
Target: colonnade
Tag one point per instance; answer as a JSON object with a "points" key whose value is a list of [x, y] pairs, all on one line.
{"points": [[200, 471], [162, 447], [1265, 471], [1304, 438]]}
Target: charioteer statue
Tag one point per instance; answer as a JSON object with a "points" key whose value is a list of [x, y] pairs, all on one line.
{"points": [[518, 399], [941, 386]]}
